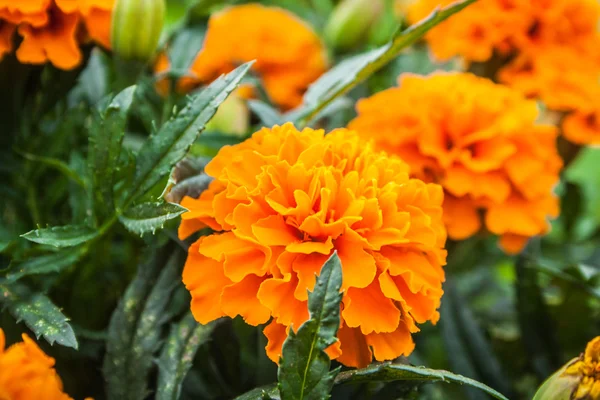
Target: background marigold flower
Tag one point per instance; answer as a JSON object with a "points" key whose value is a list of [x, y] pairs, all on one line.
{"points": [[26, 372], [479, 140], [550, 47], [289, 55], [281, 203], [51, 29]]}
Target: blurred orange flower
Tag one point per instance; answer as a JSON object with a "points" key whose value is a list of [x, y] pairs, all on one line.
{"points": [[52, 30], [289, 55], [549, 47], [479, 141], [26, 372], [282, 202]]}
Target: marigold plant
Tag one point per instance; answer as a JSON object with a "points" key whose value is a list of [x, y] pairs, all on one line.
{"points": [[281, 203], [52, 30], [479, 140], [26, 372], [289, 54]]}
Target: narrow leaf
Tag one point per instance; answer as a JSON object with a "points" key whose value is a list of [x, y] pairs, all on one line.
{"points": [[304, 366], [178, 354], [163, 150], [106, 137], [356, 69], [39, 314], [399, 372], [148, 217], [47, 263], [135, 326], [61, 236], [264, 393], [267, 114]]}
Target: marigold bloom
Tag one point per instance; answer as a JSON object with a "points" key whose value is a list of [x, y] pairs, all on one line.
{"points": [[26, 372], [587, 368], [550, 46], [51, 29], [281, 203], [479, 141], [583, 127], [289, 55]]}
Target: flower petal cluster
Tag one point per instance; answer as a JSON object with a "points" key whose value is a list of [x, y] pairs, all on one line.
{"points": [[587, 369], [52, 30], [289, 55], [281, 203], [26, 372], [479, 140], [548, 49]]}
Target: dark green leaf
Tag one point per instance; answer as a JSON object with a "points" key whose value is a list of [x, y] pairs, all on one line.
{"points": [[62, 236], [148, 217], [47, 263], [38, 312], [304, 366], [59, 165], [163, 150], [537, 328], [93, 82], [135, 327], [264, 393], [178, 354], [399, 372], [268, 115], [184, 48], [106, 137], [356, 69]]}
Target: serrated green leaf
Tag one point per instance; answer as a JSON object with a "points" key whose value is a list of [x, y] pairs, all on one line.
{"points": [[356, 69], [304, 366], [163, 150], [178, 354], [135, 327], [148, 217], [105, 141], [38, 312], [399, 372], [45, 264], [62, 236], [93, 82]]}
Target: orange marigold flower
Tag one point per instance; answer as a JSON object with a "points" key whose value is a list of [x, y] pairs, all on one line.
{"points": [[551, 46], [50, 29], [289, 55], [281, 203], [587, 369], [479, 140], [26, 372]]}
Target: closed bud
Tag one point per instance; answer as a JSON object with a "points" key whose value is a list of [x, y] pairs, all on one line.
{"points": [[579, 379], [350, 22], [136, 28]]}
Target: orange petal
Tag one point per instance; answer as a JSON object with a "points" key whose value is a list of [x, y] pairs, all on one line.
{"points": [[276, 334], [240, 299], [6, 38], [390, 345], [355, 351], [278, 296], [513, 244], [370, 310], [205, 280], [273, 231], [55, 42], [461, 217], [358, 266], [311, 247], [97, 23], [307, 267]]}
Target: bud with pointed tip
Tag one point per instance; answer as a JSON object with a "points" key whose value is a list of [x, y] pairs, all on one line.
{"points": [[136, 28], [350, 22]]}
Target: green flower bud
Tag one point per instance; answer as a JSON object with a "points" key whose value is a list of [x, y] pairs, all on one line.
{"points": [[136, 28], [350, 21], [232, 117]]}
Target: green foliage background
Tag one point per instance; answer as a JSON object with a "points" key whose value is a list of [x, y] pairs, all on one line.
{"points": [[91, 264]]}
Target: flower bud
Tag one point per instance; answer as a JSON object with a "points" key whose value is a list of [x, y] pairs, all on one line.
{"points": [[350, 21], [579, 379], [232, 117], [136, 28]]}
